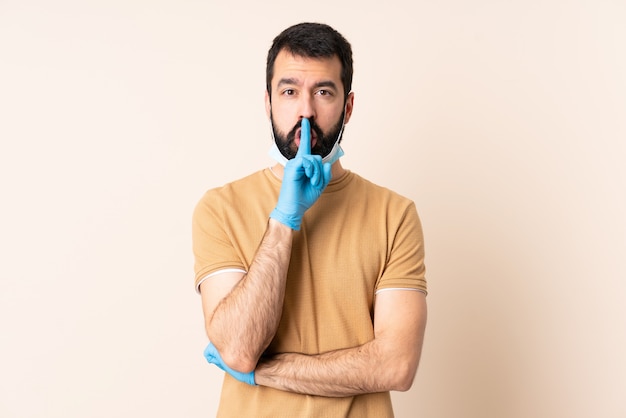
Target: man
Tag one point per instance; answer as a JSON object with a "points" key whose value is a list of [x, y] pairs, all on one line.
{"points": [[311, 277]]}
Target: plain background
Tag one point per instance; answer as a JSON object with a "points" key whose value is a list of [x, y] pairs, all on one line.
{"points": [[504, 121]]}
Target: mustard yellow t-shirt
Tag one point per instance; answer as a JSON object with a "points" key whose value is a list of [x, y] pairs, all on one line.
{"points": [[358, 238]]}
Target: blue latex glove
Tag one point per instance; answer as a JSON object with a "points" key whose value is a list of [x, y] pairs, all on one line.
{"points": [[304, 179], [213, 357]]}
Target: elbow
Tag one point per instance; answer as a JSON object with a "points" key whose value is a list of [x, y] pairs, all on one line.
{"points": [[232, 356], [238, 362], [235, 359], [234, 353], [402, 376], [404, 383]]}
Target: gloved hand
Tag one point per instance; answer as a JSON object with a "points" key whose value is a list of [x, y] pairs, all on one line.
{"points": [[305, 178], [213, 357]]}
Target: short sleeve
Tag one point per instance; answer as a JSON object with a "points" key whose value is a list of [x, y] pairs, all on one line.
{"points": [[405, 268], [212, 247]]}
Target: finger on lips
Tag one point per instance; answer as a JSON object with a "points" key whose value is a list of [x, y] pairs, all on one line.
{"points": [[305, 138]]}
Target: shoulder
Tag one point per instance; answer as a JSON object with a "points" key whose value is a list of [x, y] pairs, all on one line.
{"points": [[377, 193], [236, 193], [252, 182]]}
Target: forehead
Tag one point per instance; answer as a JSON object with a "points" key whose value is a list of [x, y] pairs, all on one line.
{"points": [[288, 65]]}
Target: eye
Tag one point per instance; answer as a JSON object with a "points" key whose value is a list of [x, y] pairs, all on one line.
{"points": [[324, 92], [289, 92]]}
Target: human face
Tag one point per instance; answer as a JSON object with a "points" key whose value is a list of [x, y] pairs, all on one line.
{"points": [[307, 88]]}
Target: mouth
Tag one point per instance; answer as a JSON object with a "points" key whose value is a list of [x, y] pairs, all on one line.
{"points": [[299, 134]]}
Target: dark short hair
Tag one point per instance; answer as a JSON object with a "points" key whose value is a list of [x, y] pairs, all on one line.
{"points": [[312, 40]]}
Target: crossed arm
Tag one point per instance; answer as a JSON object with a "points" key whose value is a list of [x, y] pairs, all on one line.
{"points": [[242, 313], [388, 362]]}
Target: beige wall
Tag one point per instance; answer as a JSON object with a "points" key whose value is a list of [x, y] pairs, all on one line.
{"points": [[504, 121]]}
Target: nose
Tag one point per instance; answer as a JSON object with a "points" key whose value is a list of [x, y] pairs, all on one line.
{"points": [[307, 107]]}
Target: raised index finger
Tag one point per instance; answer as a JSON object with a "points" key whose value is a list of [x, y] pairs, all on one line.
{"points": [[305, 138]]}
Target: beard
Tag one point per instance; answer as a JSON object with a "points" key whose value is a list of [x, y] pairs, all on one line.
{"points": [[323, 146]]}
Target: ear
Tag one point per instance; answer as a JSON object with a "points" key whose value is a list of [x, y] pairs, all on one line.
{"points": [[349, 106], [268, 104]]}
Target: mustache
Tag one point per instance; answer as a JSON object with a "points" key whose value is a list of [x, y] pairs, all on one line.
{"points": [[291, 136]]}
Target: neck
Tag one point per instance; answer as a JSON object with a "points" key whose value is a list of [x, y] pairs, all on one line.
{"points": [[336, 170]]}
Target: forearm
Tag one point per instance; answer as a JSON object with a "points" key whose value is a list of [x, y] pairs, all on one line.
{"points": [[245, 321], [365, 369]]}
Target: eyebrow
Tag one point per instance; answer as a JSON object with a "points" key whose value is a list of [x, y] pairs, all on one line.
{"points": [[295, 82], [327, 83]]}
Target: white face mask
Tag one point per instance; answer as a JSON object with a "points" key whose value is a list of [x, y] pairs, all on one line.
{"points": [[335, 153]]}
